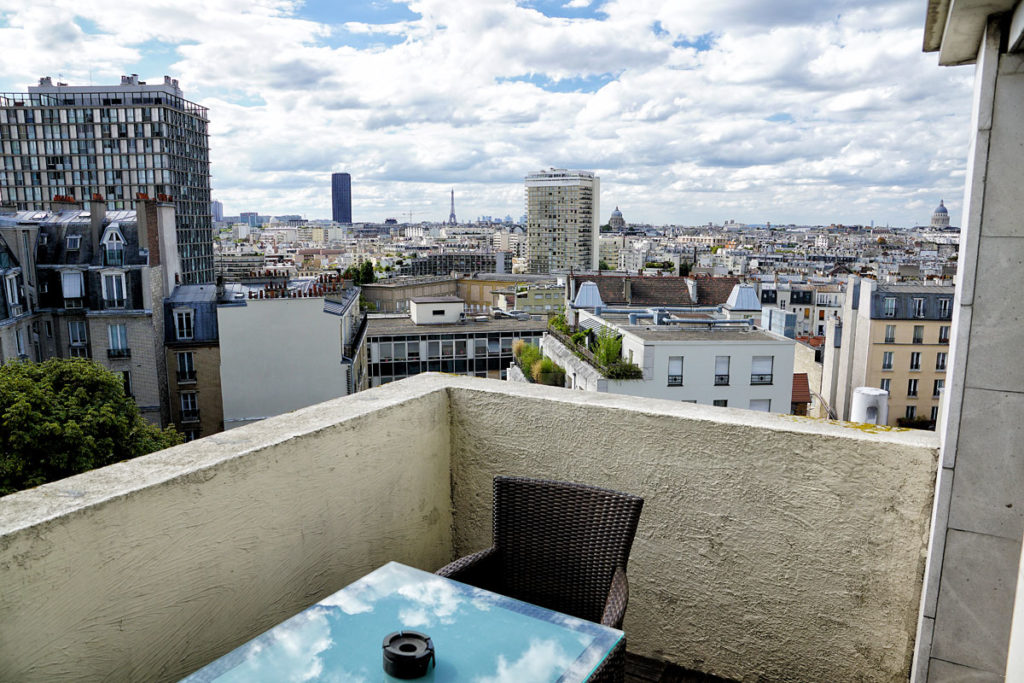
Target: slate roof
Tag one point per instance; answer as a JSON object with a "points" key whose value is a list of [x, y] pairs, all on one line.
{"points": [[643, 291], [714, 291]]}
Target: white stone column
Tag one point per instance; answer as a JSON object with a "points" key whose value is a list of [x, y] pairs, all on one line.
{"points": [[978, 519]]}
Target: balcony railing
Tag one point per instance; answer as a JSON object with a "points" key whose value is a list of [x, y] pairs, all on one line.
{"points": [[722, 380], [186, 376], [113, 303], [119, 353], [675, 380], [756, 573], [760, 379], [190, 415]]}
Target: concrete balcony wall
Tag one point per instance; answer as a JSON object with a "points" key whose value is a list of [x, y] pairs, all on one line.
{"points": [[148, 570], [770, 547]]}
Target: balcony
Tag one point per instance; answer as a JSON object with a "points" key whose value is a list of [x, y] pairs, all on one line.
{"points": [[771, 547], [119, 353], [723, 380], [760, 379]]}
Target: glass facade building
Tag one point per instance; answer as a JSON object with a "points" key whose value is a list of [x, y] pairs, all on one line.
{"points": [[341, 198], [64, 144]]}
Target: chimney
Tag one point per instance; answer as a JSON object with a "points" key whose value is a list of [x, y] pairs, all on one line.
{"points": [[97, 213]]}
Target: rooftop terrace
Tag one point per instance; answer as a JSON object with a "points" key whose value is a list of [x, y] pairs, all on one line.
{"points": [[770, 547]]}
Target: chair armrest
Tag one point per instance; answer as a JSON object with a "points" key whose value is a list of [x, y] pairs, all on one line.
{"points": [[477, 569], [618, 597]]}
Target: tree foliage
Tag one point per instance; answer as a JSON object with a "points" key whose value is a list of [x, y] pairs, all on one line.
{"points": [[67, 416]]}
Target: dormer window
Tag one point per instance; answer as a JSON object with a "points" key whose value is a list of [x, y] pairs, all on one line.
{"points": [[113, 247], [74, 242]]}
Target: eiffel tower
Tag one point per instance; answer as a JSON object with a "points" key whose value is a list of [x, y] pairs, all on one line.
{"points": [[451, 215]]}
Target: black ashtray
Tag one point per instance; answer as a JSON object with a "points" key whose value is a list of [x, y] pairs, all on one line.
{"points": [[407, 654]]}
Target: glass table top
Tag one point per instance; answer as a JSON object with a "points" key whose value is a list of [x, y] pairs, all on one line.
{"points": [[478, 636]]}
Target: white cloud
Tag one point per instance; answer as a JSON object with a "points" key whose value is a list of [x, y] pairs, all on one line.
{"points": [[805, 111]]}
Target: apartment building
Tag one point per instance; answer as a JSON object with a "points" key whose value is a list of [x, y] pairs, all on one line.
{"points": [[562, 220], [396, 347], [458, 262], [116, 144], [727, 363], [893, 337], [192, 355]]}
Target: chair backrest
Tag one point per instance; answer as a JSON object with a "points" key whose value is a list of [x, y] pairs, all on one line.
{"points": [[559, 543]]}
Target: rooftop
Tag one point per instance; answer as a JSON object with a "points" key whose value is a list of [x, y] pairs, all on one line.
{"points": [[770, 547], [403, 325]]}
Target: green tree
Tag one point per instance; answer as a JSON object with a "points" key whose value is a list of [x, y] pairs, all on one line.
{"points": [[67, 416], [603, 265], [366, 273], [684, 269]]}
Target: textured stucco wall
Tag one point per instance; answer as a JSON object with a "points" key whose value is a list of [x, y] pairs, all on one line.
{"points": [[150, 569], [770, 548]]}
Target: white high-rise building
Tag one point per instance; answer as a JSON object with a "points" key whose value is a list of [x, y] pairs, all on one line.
{"points": [[562, 220]]}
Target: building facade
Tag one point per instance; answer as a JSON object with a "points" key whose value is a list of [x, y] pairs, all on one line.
{"points": [[118, 144], [458, 262], [893, 337], [90, 285], [562, 220], [395, 347], [341, 198], [192, 355]]}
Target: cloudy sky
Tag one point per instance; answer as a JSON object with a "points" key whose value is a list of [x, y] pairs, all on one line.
{"points": [[802, 111]]}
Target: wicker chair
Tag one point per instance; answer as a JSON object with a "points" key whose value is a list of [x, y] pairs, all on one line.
{"points": [[562, 546]]}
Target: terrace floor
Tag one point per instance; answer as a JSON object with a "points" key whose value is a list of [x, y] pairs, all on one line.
{"points": [[644, 670]]}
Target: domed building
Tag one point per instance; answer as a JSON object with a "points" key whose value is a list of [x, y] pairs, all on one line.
{"points": [[940, 219], [616, 222]]}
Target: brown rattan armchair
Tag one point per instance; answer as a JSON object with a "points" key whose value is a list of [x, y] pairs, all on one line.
{"points": [[558, 545]]}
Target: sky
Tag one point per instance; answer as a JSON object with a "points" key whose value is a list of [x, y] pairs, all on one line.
{"points": [[690, 111]]}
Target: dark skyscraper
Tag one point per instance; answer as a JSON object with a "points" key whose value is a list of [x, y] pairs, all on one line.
{"points": [[341, 197]]}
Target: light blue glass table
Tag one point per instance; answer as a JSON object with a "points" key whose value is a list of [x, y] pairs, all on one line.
{"points": [[477, 635]]}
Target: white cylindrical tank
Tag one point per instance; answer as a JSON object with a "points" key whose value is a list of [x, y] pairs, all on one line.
{"points": [[870, 405]]}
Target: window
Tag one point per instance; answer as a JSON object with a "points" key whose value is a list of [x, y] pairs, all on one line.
{"points": [[77, 333], [183, 323], [762, 404], [919, 334], [940, 360], [890, 334], [118, 337], [113, 290], [720, 402], [186, 367], [945, 307], [939, 385], [20, 337], [675, 371], [761, 369], [885, 384], [911, 412], [189, 406], [437, 311], [912, 388], [887, 360], [721, 371], [191, 435], [113, 250], [48, 326], [71, 283], [935, 413], [126, 377], [944, 334], [918, 308], [890, 307], [915, 360], [73, 242]]}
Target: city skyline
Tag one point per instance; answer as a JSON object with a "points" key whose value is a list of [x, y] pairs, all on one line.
{"points": [[688, 114]]}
